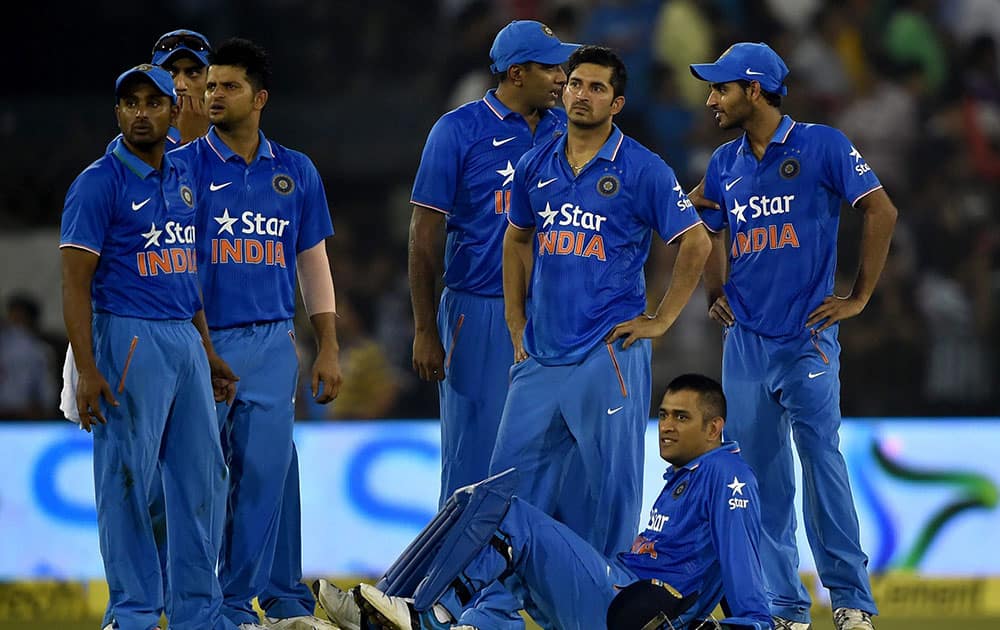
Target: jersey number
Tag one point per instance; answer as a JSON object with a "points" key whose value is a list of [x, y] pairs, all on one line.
{"points": [[502, 198]]}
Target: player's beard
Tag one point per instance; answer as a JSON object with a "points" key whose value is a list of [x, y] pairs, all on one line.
{"points": [[586, 125]]}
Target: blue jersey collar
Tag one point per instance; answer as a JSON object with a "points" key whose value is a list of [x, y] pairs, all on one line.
{"points": [[780, 135], [608, 151], [221, 149], [730, 446], [133, 162], [501, 111]]}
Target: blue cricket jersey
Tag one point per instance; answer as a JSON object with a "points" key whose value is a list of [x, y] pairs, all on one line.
{"points": [[783, 213], [141, 222], [593, 233], [466, 172], [703, 535], [254, 220]]}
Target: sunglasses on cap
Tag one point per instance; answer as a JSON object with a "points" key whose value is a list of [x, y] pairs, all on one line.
{"points": [[173, 42]]}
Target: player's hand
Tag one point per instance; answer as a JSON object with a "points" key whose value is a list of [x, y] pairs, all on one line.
{"points": [[517, 339], [428, 356], [834, 309], [91, 387], [697, 196], [192, 119], [326, 371], [721, 312], [641, 327], [223, 379]]}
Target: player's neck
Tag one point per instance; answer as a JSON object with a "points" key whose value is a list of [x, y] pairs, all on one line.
{"points": [[152, 155], [511, 98], [760, 129], [244, 139], [583, 143]]}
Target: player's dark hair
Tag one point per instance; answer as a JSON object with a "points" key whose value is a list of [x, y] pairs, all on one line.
{"points": [[713, 401], [601, 56], [774, 100], [245, 54]]}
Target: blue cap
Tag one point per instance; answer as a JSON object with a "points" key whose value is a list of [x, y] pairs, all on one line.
{"points": [[522, 41], [155, 74], [181, 41], [749, 62]]}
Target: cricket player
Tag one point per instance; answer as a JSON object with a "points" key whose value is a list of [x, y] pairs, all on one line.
{"points": [[582, 213], [700, 544], [778, 190], [130, 295], [184, 54], [463, 188], [264, 218]]}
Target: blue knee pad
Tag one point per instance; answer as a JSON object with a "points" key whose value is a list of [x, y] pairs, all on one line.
{"points": [[440, 552]]}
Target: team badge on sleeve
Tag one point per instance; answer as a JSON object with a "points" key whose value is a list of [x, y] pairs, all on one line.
{"points": [[608, 186], [789, 168], [187, 196], [283, 184]]}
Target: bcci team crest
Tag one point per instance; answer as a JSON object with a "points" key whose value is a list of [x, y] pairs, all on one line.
{"points": [[283, 184], [187, 196], [789, 168], [143, 67], [547, 31], [679, 490], [608, 186]]}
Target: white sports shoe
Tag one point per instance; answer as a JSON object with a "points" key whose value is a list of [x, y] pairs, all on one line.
{"points": [[780, 623], [305, 622], [339, 605], [852, 619], [392, 613]]}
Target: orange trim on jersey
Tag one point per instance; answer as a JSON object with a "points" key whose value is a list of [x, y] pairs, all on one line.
{"points": [[492, 109], [812, 337], [614, 154], [692, 226], [429, 206], [618, 370], [515, 225], [454, 340], [128, 362], [864, 194], [78, 246]]}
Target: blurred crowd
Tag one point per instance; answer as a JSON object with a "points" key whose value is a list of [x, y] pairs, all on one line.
{"points": [[915, 84]]}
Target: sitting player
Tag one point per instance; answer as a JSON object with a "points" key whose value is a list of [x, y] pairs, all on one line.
{"points": [[700, 544]]}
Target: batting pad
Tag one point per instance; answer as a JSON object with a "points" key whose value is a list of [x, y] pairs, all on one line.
{"points": [[443, 549]]}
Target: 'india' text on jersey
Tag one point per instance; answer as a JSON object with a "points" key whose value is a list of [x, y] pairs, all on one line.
{"points": [[253, 221], [592, 237], [783, 213], [141, 222], [466, 172]]}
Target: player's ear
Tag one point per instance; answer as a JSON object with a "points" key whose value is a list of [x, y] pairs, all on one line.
{"points": [[715, 427], [175, 111], [260, 99], [617, 105]]}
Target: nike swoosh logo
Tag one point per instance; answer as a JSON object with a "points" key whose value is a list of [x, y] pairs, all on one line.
{"points": [[733, 183], [752, 73], [612, 412], [815, 374], [213, 187], [498, 143], [542, 184], [137, 206]]}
